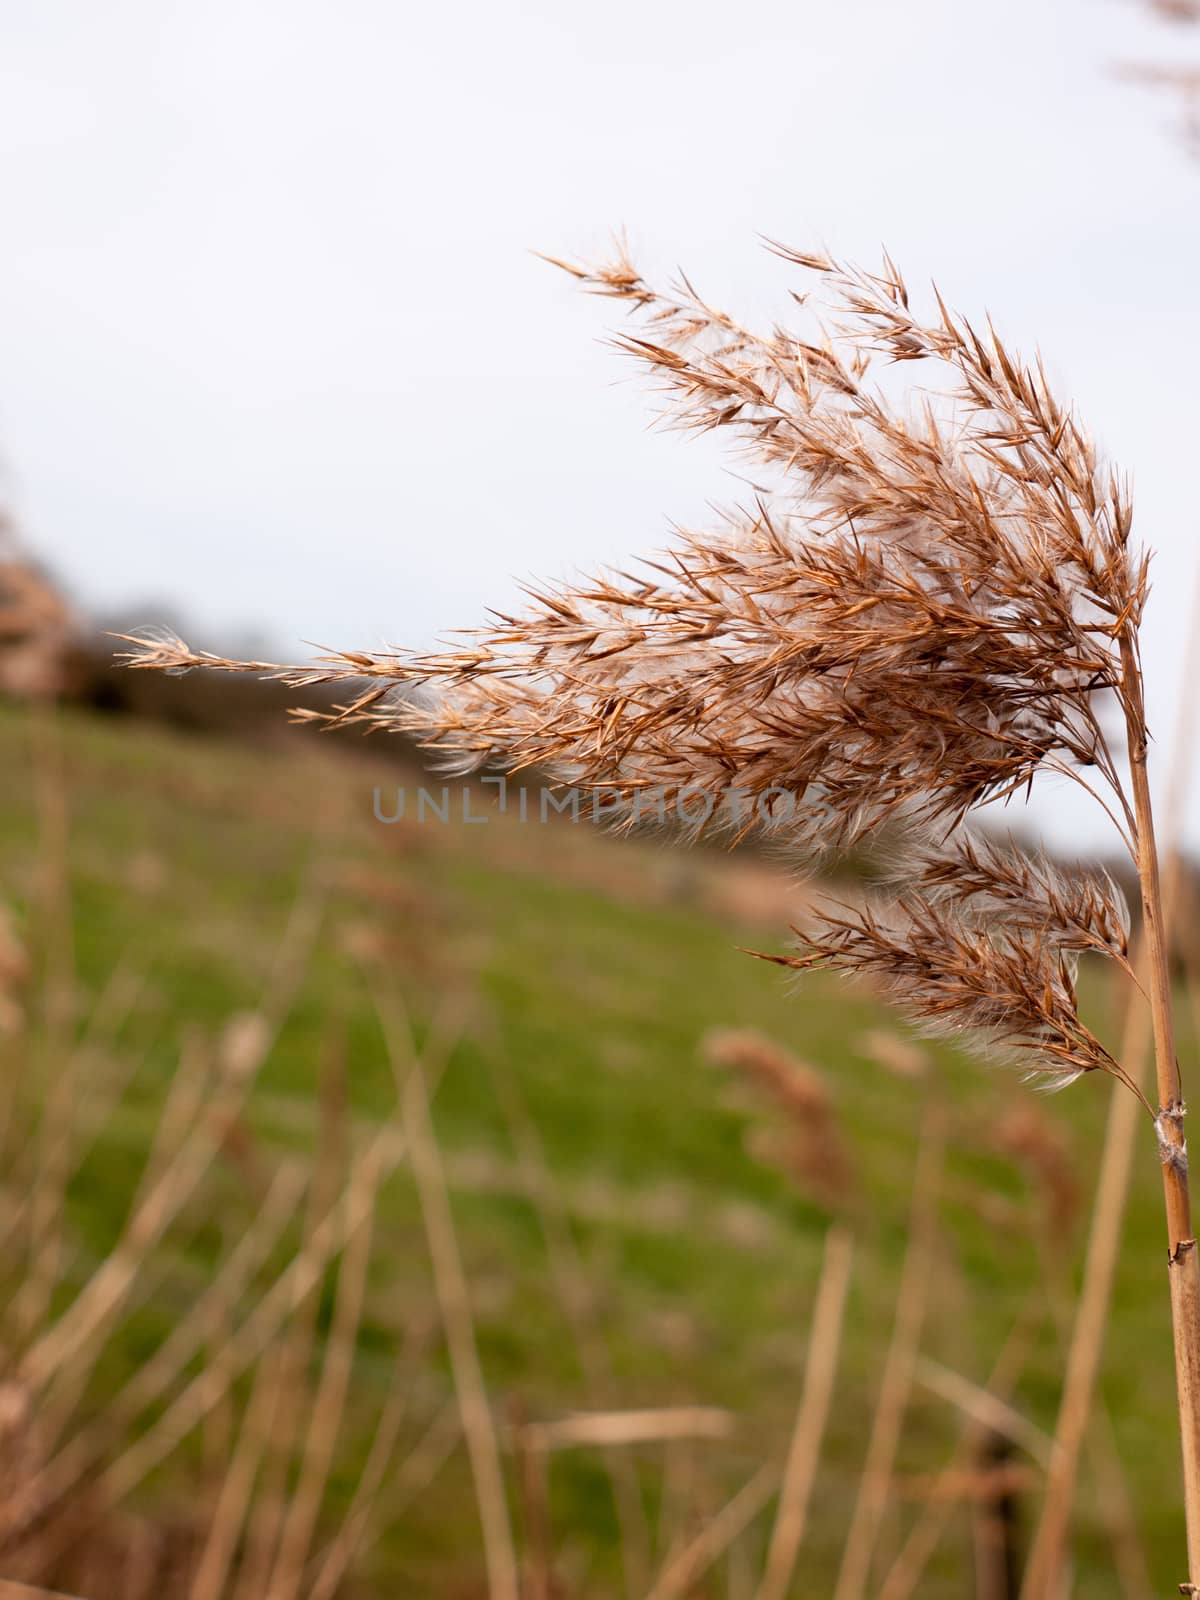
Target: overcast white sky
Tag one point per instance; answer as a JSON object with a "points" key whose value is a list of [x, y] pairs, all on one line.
{"points": [[273, 351]]}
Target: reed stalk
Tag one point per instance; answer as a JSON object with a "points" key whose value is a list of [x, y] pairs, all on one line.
{"points": [[569, 1276], [808, 1432], [1113, 1174], [684, 1570], [908, 1568], [454, 1304], [895, 1386], [1183, 1260]]}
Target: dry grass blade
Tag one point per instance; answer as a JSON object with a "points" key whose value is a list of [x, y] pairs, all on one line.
{"points": [[47, 1195], [74, 1134], [907, 1570], [677, 1502], [31, 1591], [330, 1567], [574, 1293], [15, 970], [156, 1376], [816, 1396], [330, 1397], [613, 1429], [422, 1463], [234, 1500], [1117, 1509], [1087, 1343], [300, 1336], [533, 1477], [455, 1305], [817, 1158], [899, 1365], [986, 1408], [410, 1478], [186, 1408], [290, 1289], [685, 1569], [183, 1147]]}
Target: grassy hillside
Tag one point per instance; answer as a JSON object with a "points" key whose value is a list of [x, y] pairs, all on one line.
{"points": [[571, 976]]}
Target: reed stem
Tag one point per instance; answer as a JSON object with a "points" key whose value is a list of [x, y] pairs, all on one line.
{"points": [[1182, 1258], [1043, 1574]]}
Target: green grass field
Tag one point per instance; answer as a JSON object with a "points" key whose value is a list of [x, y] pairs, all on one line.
{"points": [[577, 972]]}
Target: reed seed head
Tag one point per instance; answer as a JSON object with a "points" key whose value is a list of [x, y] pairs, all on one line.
{"points": [[920, 609]]}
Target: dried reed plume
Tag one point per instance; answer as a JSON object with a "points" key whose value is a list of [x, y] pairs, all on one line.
{"points": [[1038, 1146], [809, 1144], [930, 601], [1181, 77], [36, 625]]}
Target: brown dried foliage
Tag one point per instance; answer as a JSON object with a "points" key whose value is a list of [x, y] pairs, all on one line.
{"points": [[812, 1148], [36, 625], [1180, 77], [1038, 1146], [921, 609], [14, 973], [983, 944]]}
